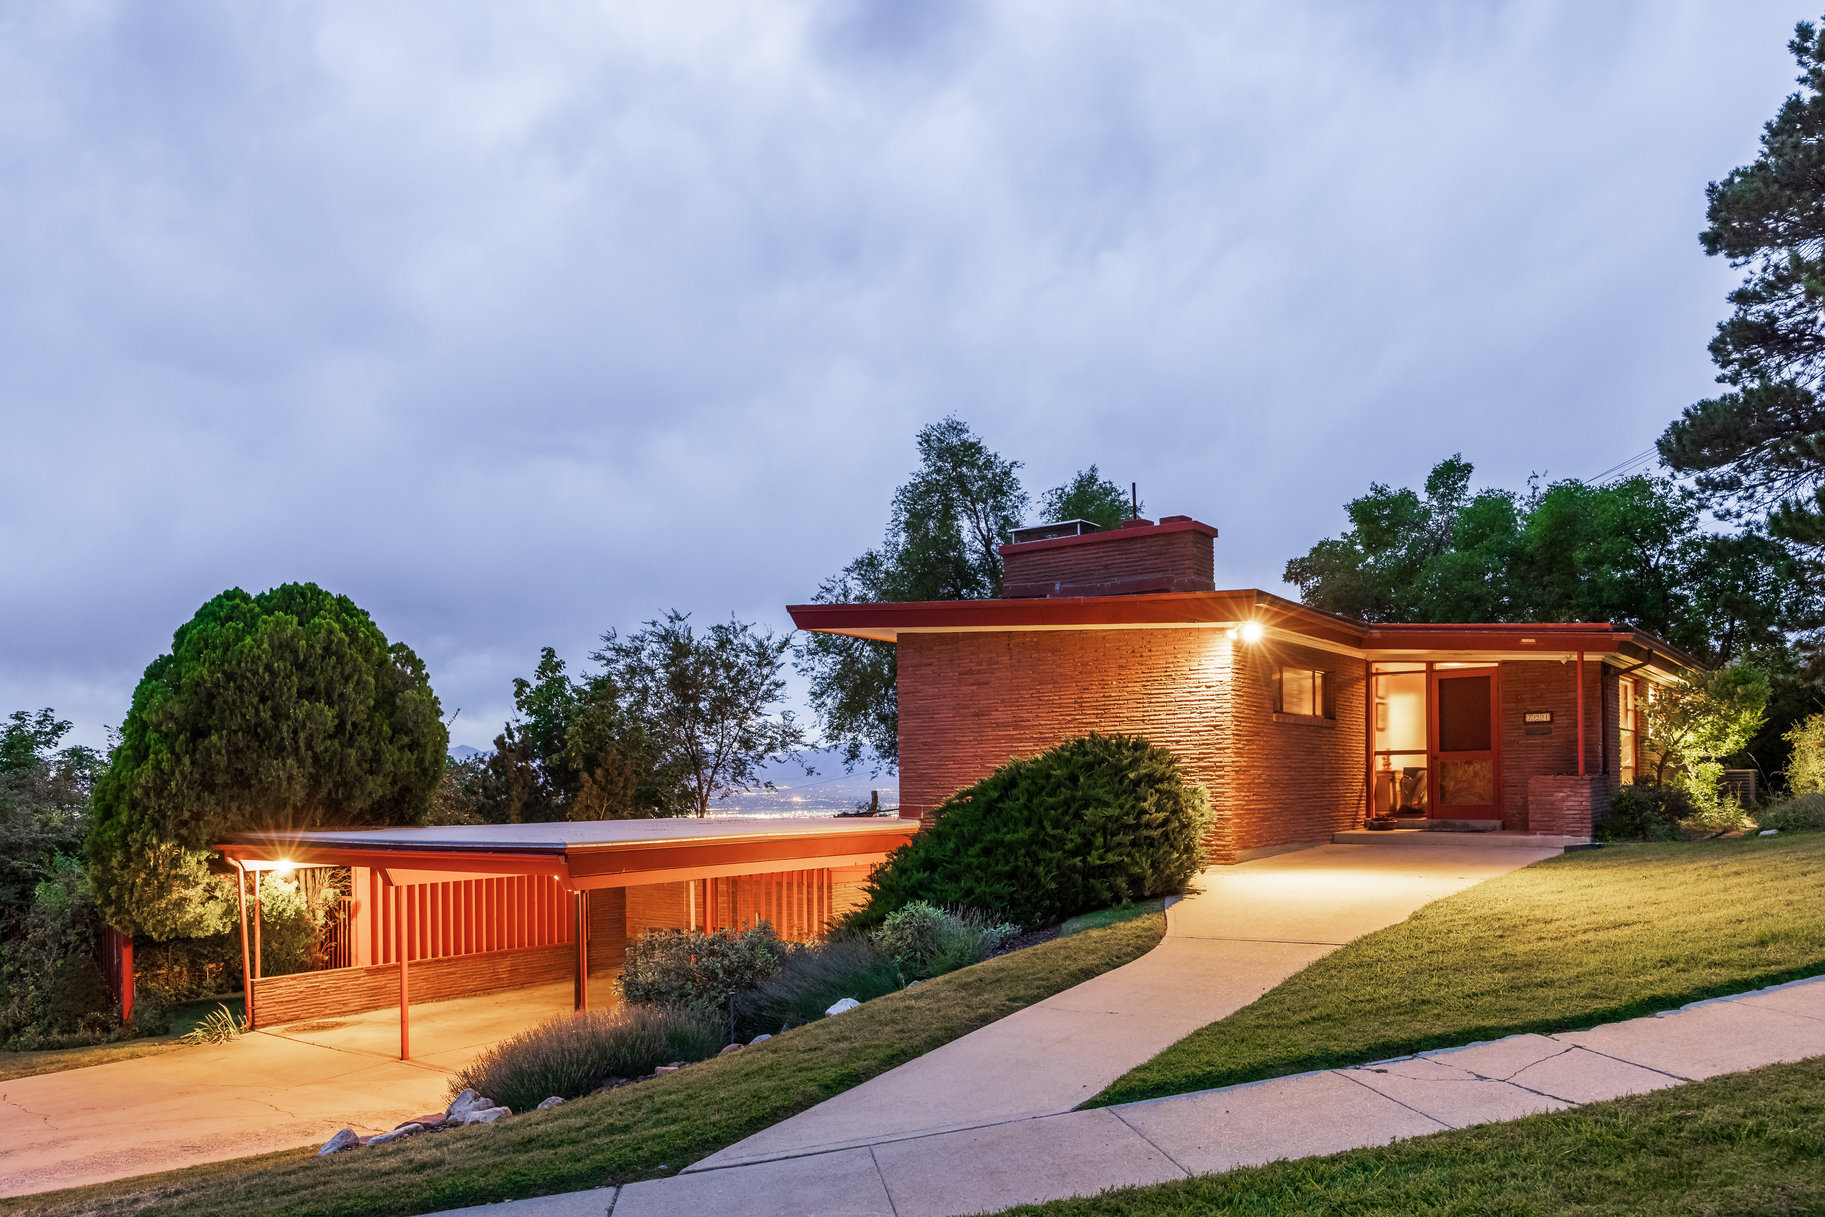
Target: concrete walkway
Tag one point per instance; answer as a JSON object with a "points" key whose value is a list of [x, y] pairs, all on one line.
{"points": [[986, 1169], [268, 1090], [1243, 930]]}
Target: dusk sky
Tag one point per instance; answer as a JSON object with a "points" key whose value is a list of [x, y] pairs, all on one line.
{"points": [[515, 323]]}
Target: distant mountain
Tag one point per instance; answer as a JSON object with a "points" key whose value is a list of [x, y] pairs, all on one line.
{"points": [[462, 752], [829, 789]]}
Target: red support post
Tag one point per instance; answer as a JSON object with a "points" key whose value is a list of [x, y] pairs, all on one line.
{"points": [[257, 952], [126, 976], [1580, 713], [580, 903], [400, 909], [240, 891]]}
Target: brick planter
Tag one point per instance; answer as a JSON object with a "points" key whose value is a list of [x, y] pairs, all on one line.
{"points": [[1566, 804]]}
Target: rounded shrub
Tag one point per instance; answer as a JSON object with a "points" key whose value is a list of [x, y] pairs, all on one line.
{"points": [[572, 1054], [1097, 821]]}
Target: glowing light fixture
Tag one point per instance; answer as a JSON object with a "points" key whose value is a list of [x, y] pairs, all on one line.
{"points": [[1251, 631], [284, 866]]}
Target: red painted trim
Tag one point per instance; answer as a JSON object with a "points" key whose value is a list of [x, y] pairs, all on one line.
{"points": [[1124, 533], [240, 892], [405, 996]]}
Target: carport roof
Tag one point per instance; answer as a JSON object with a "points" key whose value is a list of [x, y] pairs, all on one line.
{"points": [[592, 853]]}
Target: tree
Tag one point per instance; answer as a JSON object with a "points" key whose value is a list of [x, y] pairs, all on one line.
{"points": [[1761, 445], [286, 710], [1634, 551], [944, 535], [1692, 725], [1088, 496], [705, 700], [575, 753]]}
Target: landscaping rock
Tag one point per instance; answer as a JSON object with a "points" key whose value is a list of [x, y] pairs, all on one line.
{"points": [[480, 1115], [553, 1101], [467, 1101], [612, 1084], [667, 1069], [346, 1139], [436, 1119], [757, 1039], [1769, 832], [398, 1134], [731, 1048], [847, 1003]]}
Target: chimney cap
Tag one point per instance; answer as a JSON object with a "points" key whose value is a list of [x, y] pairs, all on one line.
{"points": [[1055, 529]]}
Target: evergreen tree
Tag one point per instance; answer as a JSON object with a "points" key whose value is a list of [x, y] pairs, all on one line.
{"points": [[1761, 445], [286, 710]]}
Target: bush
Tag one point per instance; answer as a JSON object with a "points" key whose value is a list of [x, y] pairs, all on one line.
{"points": [[1644, 811], [1803, 813], [1806, 765], [927, 941], [570, 1055], [810, 980], [1094, 822], [692, 970]]}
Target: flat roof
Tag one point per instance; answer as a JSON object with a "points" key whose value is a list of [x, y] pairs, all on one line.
{"points": [[583, 854], [563, 836], [886, 622]]}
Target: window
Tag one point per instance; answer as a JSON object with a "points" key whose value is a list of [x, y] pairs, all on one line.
{"points": [[1626, 712], [1303, 691]]}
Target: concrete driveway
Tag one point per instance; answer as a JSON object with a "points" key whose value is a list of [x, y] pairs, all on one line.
{"points": [[269, 1090], [1244, 930]]}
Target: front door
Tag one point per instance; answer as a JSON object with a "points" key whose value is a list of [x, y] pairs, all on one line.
{"points": [[1463, 725]]}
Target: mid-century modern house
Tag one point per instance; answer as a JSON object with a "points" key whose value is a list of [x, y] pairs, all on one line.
{"points": [[445, 912], [1300, 724]]}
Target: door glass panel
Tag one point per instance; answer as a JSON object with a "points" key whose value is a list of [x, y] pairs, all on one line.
{"points": [[1463, 717], [1400, 712], [1466, 783]]}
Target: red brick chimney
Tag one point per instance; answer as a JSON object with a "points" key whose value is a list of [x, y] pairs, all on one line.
{"points": [[1174, 555]]}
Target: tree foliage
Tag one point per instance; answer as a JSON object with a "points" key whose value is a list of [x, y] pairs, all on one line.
{"points": [[1088, 496], [944, 533], [1634, 551], [1761, 444], [1095, 822], [1693, 725], [284, 710], [705, 701]]}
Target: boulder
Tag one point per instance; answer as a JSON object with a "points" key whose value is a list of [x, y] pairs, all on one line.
{"points": [[436, 1119], [553, 1101], [667, 1069], [847, 1003], [1769, 832], [480, 1115], [346, 1139], [757, 1039], [398, 1134], [468, 1100], [729, 1049]]}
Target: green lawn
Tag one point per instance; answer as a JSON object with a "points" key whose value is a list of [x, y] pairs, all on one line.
{"points": [[634, 1132], [1591, 937], [1110, 916], [1746, 1143], [55, 1060]]}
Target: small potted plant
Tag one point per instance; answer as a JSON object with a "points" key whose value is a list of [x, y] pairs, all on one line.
{"points": [[1381, 823]]}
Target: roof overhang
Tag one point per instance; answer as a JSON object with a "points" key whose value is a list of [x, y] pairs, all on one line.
{"points": [[1280, 619], [613, 859]]}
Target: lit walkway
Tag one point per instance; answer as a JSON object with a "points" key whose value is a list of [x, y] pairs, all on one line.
{"points": [[1049, 1158], [1244, 930]]}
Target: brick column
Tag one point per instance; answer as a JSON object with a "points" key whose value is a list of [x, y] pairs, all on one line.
{"points": [[1565, 804]]}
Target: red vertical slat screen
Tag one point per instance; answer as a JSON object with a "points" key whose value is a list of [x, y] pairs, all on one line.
{"points": [[468, 916]]}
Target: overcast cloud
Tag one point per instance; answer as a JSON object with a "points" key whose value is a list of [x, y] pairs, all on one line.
{"points": [[518, 322]]}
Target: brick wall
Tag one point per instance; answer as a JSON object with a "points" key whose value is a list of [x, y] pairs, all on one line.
{"points": [[1550, 685], [302, 995], [1567, 805], [607, 929], [1162, 558], [970, 702], [658, 906], [1295, 780]]}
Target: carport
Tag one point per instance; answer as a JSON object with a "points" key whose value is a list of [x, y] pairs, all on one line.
{"points": [[453, 911]]}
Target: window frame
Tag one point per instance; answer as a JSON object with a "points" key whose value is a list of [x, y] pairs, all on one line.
{"points": [[1324, 684]]}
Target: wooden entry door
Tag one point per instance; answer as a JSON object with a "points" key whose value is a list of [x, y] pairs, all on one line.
{"points": [[1466, 772]]}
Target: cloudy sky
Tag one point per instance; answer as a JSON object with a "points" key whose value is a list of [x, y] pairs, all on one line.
{"points": [[519, 322]]}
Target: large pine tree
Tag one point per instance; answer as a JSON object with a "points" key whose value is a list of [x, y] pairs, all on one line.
{"points": [[1760, 446]]}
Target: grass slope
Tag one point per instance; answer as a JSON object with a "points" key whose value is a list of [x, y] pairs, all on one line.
{"points": [[632, 1132], [1588, 938], [1745, 1143]]}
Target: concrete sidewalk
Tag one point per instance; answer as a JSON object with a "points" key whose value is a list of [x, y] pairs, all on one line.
{"points": [[1243, 930], [985, 1169]]}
